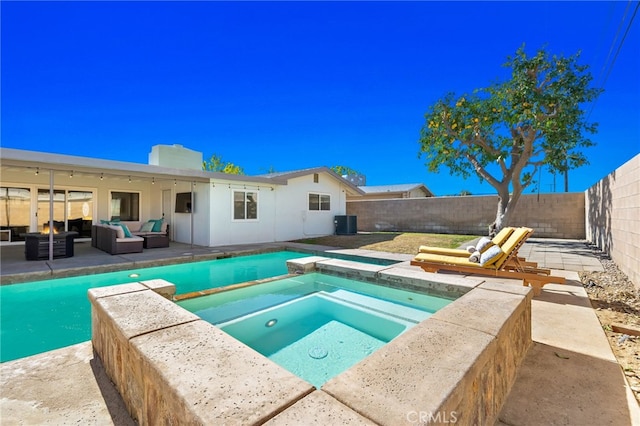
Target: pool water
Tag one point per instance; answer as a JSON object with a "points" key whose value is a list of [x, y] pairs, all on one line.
{"points": [[315, 325], [43, 315]]}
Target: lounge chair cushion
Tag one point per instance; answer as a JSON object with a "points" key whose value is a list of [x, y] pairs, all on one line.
{"points": [[444, 259], [490, 256], [483, 244], [502, 236]]}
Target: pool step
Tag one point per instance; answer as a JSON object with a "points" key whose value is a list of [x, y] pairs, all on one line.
{"points": [[383, 306]]}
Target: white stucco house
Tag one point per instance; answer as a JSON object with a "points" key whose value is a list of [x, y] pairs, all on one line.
{"points": [[226, 209]]}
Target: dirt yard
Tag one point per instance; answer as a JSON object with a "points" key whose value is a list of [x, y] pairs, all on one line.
{"points": [[617, 302], [612, 295], [392, 242]]}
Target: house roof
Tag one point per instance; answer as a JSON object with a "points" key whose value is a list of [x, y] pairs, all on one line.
{"points": [[304, 172], [46, 161], [405, 187]]}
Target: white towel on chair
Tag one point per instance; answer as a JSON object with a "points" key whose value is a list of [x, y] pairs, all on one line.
{"points": [[471, 249], [475, 257]]}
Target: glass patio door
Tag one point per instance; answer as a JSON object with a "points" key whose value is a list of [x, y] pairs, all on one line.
{"points": [[80, 212], [72, 211], [58, 210], [15, 213]]}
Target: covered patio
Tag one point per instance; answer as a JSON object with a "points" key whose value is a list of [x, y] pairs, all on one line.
{"points": [[69, 194]]}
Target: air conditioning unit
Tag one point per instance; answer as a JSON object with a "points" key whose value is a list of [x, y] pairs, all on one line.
{"points": [[346, 225]]}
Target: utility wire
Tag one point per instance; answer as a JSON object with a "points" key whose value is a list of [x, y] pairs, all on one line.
{"points": [[613, 42], [618, 50], [621, 43]]}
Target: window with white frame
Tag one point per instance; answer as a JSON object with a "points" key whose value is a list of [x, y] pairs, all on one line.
{"points": [[125, 206], [245, 205], [319, 202]]}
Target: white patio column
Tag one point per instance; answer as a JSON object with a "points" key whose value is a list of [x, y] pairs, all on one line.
{"points": [[51, 215]]}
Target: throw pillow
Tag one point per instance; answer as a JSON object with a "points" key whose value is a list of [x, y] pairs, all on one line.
{"points": [[118, 229], [127, 233], [157, 224], [147, 227], [104, 222], [491, 255], [483, 244]]}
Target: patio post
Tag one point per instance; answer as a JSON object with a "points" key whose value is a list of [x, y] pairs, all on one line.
{"points": [[193, 205], [51, 215]]}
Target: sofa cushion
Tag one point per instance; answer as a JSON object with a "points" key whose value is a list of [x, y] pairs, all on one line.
{"points": [[129, 239], [133, 225]]}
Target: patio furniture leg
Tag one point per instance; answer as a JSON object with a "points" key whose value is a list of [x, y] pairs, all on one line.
{"points": [[535, 285]]}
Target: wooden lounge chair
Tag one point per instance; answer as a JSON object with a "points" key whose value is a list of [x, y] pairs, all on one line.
{"points": [[502, 261], [498, 240]]}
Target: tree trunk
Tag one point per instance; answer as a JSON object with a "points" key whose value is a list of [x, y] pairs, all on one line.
{"points": [[506, 206], [503, 213]]}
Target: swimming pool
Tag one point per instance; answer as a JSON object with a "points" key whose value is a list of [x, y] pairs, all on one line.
{"points": [[43, 315], [315, 325]]}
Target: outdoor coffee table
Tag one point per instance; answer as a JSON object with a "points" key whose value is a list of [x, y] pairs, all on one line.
{"points": [[155, 241], [36, 245]]}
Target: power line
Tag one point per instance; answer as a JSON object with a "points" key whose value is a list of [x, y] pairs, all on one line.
{"points": [[593, 105], [615, 39], [621, 43]]}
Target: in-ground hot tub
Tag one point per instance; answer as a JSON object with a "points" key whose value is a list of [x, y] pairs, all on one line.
{"points": [[315, 325], [170, 365]]}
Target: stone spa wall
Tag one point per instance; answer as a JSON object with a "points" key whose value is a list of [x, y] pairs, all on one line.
{"points": [[458, 366]]}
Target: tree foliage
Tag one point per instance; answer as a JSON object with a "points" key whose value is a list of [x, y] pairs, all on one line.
{"points": [[217, 164], [345, 171], [505, 132]]}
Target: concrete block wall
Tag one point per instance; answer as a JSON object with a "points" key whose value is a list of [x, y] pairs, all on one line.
{"points": [[556, 215], [613, 217]]}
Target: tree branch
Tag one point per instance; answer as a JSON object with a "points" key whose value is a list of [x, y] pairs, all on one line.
{"points": [[481, 170], [481, 141]]}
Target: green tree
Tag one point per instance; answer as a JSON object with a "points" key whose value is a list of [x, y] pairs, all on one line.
{"points": [[353, 176], [345, 171], [217, 164], [504, 133]]}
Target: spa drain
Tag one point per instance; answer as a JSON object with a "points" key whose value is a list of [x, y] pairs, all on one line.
{"points": [[318, 352]]}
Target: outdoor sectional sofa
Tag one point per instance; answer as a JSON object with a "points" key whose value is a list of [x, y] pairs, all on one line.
{"points": [[112, 239]]}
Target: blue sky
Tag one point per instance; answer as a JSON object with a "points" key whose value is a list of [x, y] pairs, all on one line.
{"points": [[291, 85]]}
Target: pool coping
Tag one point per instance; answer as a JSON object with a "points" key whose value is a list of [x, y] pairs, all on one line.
{"points": [[459, 364]]}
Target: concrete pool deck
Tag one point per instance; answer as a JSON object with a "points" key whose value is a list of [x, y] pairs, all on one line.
{"points": [[569, 376]]}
